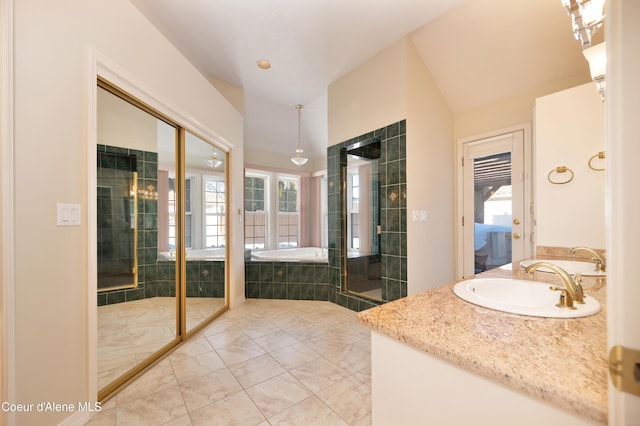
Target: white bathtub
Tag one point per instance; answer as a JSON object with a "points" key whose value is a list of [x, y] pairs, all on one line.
{"points": [[201, 254], [301, 254]]}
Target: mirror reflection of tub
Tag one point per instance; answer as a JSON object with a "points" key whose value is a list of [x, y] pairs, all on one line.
{"points": [[302, 254], [202, 254]]}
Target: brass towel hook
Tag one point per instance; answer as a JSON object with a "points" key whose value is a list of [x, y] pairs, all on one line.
{"points": [[560, 169], [599, 156]]}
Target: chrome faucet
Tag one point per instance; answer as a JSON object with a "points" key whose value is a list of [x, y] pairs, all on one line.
{"points": [[601, 262], [572, 291]]}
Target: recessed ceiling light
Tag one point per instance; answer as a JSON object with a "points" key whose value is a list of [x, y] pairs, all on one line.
{"points": [[264, 64]]}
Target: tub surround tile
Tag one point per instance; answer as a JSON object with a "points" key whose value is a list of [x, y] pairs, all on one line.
{"points": [[526, 353]]}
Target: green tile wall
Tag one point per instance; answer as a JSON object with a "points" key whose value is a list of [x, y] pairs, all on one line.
{"points": [[392, 170], [287, 280]]}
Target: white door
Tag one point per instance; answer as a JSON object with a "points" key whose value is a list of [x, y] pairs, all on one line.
{"points": [[493, 202], [623, 204]]}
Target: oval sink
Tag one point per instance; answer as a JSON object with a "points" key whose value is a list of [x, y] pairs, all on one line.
{"points": [[522, 297], [588, 269]]}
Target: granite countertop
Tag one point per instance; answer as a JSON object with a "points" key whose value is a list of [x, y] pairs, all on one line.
{"points": [[562, 361]]}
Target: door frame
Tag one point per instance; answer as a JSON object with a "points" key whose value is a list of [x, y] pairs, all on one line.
{"points": [[528, 190]]}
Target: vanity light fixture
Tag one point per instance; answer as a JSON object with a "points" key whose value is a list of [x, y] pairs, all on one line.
{"points": [[587, 17], [213, 161], [298, 159], [597, 58], [263, 64]]}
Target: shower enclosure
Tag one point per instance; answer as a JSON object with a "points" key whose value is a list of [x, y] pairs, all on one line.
{"points": [[117, 211]]}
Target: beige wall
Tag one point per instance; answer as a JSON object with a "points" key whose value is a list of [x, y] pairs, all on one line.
{"points": [[569, 129], [396, 85], [123, 125], [53, 78], [430, 174], [509, 112], [371, 96]]}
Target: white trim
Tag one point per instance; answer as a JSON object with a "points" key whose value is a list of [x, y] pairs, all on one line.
{"points": [[113, 73], [7, 262], [78, 418], [528, 193]]}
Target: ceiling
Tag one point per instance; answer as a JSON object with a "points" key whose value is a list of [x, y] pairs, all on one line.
{"points": [[478, 52]]}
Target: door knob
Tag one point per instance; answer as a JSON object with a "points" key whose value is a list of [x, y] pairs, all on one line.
{"points": [[516, 235], [516, 221]]}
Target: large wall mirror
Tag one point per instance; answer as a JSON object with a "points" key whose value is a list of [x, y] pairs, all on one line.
{"points": [[161, 244], [363, 234]]}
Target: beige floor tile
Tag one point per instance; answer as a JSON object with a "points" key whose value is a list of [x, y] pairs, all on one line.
{"points": [[159, 377], [210, 388], [319, 374], [227, 338], [323, 379], [191, 348], [309, 412], [180, 421], [154, 409], [350, 359], [103, 418], [349, 398], [240, 352], [256, 370], [234, 410], [294, 356], [276, 340], [191, 368], [277, 394]]}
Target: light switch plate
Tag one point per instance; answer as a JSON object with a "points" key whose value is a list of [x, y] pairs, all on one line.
{"points": [[415, 215], [423, 215], [68, 214]]}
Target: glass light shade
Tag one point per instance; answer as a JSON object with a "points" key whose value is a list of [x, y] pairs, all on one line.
{"points": [[299, 160], [213, 161]]}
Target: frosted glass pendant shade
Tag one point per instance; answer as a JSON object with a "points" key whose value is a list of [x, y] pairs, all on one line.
{"points": [[299, 160]]}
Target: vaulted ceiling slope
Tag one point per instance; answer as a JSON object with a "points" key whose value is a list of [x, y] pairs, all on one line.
{"points": [[478, 51]]}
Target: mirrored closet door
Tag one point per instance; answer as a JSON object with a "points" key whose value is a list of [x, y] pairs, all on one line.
{"points": [[161, 235]]}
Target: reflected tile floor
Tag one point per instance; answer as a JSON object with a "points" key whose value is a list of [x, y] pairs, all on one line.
{"points": [[130, 332], [266, 362]]}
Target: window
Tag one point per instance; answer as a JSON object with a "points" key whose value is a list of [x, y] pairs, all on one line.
{"points": [[256, 219], [288, 217], [266, 226], [172, 213], [353, 207], [214, 203]]}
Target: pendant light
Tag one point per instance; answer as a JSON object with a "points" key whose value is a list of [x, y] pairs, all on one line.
{"points": [[213, 160], [299, 160]]}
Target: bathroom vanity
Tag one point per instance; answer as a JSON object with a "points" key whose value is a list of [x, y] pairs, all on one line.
{"points": [[437, 359]]}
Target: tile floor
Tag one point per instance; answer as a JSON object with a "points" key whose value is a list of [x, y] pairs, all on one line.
{"points": [[130, 332], [266, 362]]}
